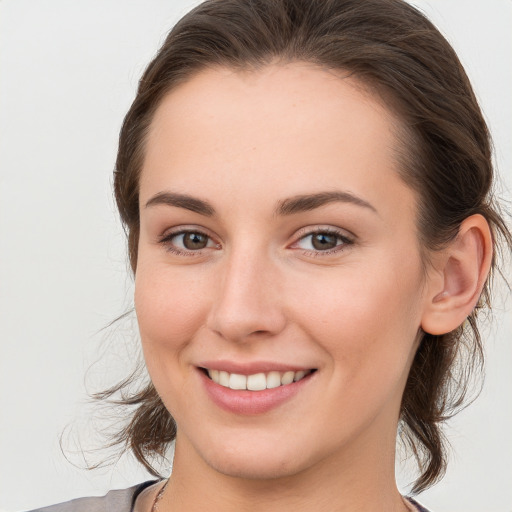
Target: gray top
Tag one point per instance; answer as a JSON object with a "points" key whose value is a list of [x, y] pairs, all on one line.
{"points": [[122, 501]]}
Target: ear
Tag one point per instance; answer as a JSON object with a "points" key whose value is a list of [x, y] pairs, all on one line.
{"points": [[458, 277]]}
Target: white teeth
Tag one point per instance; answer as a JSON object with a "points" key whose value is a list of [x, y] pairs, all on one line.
{"points": [[257, 381], [273, 380], [287, 378], [299, 375], [224, 379], [237, 381]]}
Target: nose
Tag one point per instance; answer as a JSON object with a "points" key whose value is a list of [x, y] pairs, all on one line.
{"points": [[247, 304]]}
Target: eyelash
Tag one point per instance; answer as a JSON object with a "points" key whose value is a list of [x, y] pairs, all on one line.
{"points": [[166, 239], [345, 240], [341, 236]]}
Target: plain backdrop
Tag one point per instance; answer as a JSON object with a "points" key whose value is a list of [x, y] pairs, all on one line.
{"points": [[68, 71]]}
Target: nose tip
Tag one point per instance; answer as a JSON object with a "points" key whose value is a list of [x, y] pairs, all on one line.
{"points": [[240, 326], [247, 305]]}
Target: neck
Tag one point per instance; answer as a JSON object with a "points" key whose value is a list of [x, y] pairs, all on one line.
{"points": [[360, 481]]}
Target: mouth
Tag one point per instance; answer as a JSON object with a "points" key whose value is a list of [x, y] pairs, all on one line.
{"points": [[256, 381], [256, 388]]}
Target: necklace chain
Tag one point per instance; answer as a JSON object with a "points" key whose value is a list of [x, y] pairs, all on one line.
{"points": [[159, 496]]}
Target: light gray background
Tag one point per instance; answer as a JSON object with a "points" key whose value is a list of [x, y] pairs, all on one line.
{"points": [[68, 70]]}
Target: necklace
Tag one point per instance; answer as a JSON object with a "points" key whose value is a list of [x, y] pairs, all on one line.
{"points": [[410, 505], [158, 497]]}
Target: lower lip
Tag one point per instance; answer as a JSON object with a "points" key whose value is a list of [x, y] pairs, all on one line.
{"points": [[251, 402]]}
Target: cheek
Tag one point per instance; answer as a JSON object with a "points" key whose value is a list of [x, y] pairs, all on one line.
{"points": [[170, 306], [366, 321]]}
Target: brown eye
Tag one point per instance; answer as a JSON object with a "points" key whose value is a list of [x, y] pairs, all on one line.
{"points": [[187, 242], [194, 241], [324, 241]]}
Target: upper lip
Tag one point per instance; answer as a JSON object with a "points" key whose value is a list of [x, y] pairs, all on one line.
{"points": [[251, 368]]}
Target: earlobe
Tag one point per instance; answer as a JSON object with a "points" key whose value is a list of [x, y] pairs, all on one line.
{"points": [[459, 276]]}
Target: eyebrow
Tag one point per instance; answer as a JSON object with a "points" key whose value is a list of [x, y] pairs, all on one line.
{"points": [[182, 201], [290, 206], [304, 203]]}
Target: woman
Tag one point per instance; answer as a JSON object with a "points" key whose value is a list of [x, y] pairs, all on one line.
{"points": [[306, 187]]}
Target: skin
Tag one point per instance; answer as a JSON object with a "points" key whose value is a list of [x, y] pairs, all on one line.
{"points": [[245, 142]]}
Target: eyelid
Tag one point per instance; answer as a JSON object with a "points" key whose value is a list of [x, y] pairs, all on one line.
{"points": [[345, 236], [166, 237], [324, 228]]}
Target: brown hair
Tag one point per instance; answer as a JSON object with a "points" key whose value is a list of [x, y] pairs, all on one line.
{"points": [[445, 157]]}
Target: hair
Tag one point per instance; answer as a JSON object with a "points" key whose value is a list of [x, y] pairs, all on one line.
{"points": [[445, 157]]}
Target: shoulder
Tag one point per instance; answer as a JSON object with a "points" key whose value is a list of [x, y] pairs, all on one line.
{"points": [[120, 500]]}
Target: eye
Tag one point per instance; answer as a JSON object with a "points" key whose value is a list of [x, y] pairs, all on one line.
{"points": [[187, 241], [323, 241], [192, 241]]}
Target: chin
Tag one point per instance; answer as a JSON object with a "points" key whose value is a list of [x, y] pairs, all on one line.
{"points": [[254, 467], [255, 459]]}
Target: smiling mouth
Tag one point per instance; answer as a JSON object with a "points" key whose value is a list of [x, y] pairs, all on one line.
{"points": [[256, 381]]}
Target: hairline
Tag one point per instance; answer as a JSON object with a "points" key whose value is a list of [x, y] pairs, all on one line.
{"points": [[403, 134]]}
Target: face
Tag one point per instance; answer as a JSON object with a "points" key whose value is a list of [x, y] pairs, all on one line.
{"points": [[277, 243]]}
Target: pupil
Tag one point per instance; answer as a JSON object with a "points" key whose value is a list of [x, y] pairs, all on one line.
{"points": [[194, 241], [323, 241]]}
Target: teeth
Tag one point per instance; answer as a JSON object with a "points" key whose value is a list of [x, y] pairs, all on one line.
{"points": [[299, 375], [223, 379], [237, 381], [273, 380], [287, 378], [257, 381]]}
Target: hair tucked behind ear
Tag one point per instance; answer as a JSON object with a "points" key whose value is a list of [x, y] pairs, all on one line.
{"points": [[443, 149]]}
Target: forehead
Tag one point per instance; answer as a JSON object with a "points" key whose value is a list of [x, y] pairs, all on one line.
{"points": [[292, 128]]}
